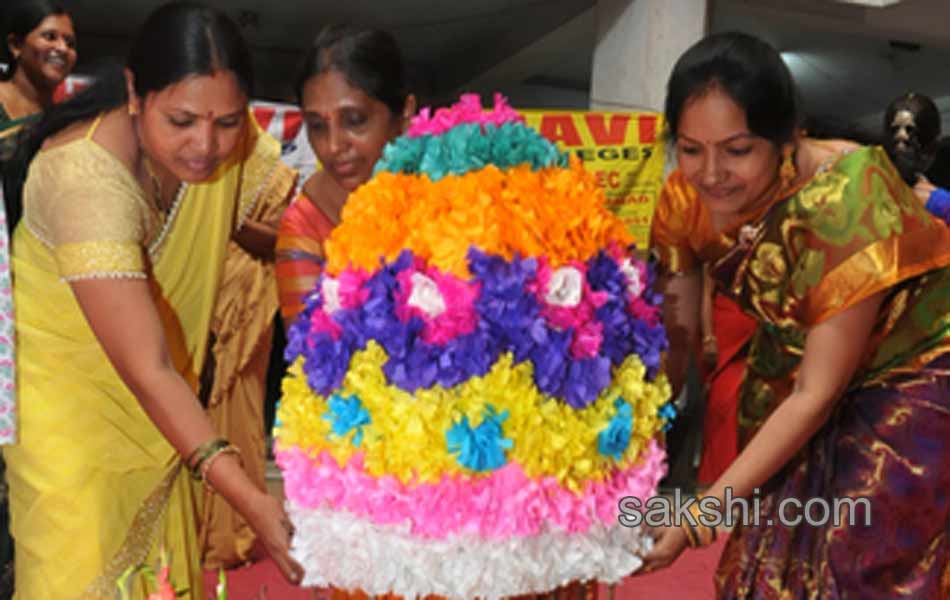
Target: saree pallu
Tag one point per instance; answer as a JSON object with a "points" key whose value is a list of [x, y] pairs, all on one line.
{"points": [[732, 329], [851, 233], [95, 488], [243, 330], [888, 444]]}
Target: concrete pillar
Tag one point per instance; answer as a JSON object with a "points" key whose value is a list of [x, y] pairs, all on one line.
{"points": [[638, 41]]}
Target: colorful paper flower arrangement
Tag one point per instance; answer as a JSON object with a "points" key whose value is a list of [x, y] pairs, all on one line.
{"points": [[476, 380]]}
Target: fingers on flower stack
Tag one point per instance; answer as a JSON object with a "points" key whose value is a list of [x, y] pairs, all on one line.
{"points": [[475, 381]]}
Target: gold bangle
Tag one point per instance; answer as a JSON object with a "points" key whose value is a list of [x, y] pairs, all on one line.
{"points": [[691, 538], [710, 338], [705, 535], [203, 452], [196, 451], [206, 467]]}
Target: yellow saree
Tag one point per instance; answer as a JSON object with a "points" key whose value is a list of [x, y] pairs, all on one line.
{"points": [[94, 487], [243, 328]]}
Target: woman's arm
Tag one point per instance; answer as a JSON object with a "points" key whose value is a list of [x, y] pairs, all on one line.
{"points": [[257, 239], [923, 188], [123, 317], [682, 297], [834, 350]]}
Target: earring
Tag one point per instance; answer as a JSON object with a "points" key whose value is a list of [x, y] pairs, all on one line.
{"points": [[132, 110], [787, 171]]}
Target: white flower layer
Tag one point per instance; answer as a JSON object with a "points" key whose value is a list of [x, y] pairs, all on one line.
{"points": [[339, 549]]}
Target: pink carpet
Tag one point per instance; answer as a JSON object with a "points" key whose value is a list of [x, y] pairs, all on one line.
{"points": [[690, 578]]}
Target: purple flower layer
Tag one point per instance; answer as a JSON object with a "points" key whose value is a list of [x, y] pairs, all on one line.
{"points": [[624, 334], [509, 319]]}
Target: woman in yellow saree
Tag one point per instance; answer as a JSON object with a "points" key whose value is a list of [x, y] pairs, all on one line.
{"points": [[128, 209]]}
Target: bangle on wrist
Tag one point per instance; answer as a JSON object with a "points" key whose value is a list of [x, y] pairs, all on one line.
{"points": [[705, 535], [202, 453], [207, 464], [691, 539]]}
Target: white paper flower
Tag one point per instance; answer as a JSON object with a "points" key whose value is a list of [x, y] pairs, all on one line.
{"points": [[634, 283], [381, 559], [426, 296], [565, 288], [331, 295]]}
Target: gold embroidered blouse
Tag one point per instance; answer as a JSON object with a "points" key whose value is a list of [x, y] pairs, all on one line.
{"points": [[86, 206]]}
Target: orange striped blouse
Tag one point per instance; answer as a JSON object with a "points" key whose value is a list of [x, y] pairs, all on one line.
{"points": [[300, 256]]}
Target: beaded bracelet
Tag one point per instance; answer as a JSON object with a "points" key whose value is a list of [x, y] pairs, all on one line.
{"points": [[206, 466], [203, 452]]}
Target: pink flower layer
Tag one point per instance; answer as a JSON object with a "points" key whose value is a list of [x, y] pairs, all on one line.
{"points": [[467, 110], [504, 504]]}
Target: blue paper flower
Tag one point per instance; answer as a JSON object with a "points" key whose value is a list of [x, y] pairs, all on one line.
{"points": [[347, 414], [614, 439], [482, 448], [668, 412]]}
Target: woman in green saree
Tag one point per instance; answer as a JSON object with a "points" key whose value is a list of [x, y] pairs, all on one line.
{"points": [[40, 52], [844, 407]]}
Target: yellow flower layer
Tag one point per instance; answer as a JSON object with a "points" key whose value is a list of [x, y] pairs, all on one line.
{"points": [[406, 437], [557, 213]]}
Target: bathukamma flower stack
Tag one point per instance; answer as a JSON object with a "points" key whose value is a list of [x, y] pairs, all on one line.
{"points": [[475, 382]]}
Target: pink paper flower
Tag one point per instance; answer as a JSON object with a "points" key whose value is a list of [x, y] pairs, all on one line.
{"points": [[635, 272], [165, 589], [350, 288], [342, 292], [445, 303], [502, 504], [467, 110], [567, 301], [321, 322]]}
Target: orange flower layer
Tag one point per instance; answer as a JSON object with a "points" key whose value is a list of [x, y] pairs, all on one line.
{"points": [[557, 213]]}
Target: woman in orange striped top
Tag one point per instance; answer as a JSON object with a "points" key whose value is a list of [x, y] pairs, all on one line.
{"points": [[354, 99]]}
